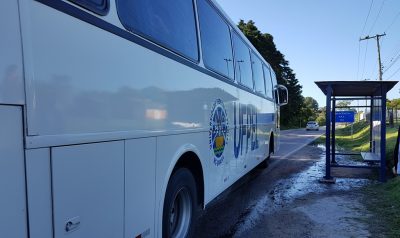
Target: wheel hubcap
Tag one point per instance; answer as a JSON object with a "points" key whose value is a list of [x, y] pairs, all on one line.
{"points": [[180, 214]]}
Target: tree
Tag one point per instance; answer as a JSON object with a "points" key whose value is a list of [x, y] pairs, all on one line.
{"points": [[264, 43], [396, 102], [321, 119], [309, 111], [343, 105], [392, 106], [311, 103]]}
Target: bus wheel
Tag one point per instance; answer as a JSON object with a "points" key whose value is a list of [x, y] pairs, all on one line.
{"points": [[180, 205], [264, 164]]}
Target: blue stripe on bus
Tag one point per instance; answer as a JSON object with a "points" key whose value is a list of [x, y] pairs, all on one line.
{"points": [[95, 21], [264, 118]]}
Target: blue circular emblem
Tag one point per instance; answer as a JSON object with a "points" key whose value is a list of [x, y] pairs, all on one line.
{"points": [[218, 131]]}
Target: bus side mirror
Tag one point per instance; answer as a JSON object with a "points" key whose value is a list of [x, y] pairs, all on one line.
{"points": [[281, 95]]}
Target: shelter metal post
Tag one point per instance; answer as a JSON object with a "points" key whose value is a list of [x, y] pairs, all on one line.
{"points": [[328, 134], [333, 130], [382, 173], [371, 126]]}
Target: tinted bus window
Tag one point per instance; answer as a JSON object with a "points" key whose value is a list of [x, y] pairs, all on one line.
{"points": [[274, 83], [215, 40], [258, 75], [268, 81], [242, 62], [98, 6], [169, 23]]}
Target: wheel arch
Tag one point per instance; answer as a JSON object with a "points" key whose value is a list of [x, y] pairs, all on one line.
{"points": [[272, 143], [187, 156], [191, 161]]}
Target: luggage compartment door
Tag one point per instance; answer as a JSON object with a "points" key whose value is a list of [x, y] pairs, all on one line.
{"points": [[88, 190], [13, 221]]}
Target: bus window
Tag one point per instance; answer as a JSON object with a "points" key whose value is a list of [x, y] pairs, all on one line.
{"points": [[215, 40], [242, 62], [258, 77], [268, 82], [169, 23], [97, 6]]}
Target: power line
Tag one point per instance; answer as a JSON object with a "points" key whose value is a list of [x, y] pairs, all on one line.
{"points": [[359, 43], [377, 37], [366, 19], [395, 49], [398, 70], [388, 59], [377, 17], [391, 24], [365, 57], [393, 21], [392, 62]]}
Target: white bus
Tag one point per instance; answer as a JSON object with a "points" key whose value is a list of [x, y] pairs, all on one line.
{"points": [[123, 118]]}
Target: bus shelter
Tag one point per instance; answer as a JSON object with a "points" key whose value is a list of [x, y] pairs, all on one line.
{"points": [[373, 94]]}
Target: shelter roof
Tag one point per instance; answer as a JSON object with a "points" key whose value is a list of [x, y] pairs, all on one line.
{"points": [[356, 88]]}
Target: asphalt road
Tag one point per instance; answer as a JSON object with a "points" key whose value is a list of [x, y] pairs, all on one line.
{"points": [[238, 210], [294, 140]]}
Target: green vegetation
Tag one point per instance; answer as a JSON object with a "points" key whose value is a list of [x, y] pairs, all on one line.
{"points": [[309, 111], [359, 141], [384, 202], [321, 116]]}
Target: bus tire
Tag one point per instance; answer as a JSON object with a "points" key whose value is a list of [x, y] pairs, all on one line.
{"points": [[264, 163], [180, 205]]}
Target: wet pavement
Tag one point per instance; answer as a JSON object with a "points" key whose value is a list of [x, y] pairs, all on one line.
{"points": [[290, 182]]}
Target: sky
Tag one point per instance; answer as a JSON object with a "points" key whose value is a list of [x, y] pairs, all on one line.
{"points": [[320, 39]]}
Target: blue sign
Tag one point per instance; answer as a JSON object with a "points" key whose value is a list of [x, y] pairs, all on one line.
{"points": [[345, 116]]}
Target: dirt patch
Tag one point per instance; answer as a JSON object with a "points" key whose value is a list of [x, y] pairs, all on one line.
{"points": [[302, 207], [336, 216]]}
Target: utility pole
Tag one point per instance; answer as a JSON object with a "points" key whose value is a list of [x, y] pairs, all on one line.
{"points": [[377, 36]]}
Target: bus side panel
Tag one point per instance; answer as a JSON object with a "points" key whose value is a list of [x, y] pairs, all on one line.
{"points": [[265, 126], [38, 177], [253, 140], [11, 80], [278, 129], [88, 190], [100, 82], [269, 126], [12, 174], [140, 164]]}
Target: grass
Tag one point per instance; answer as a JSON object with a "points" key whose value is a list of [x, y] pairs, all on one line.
{"points": [[359, 141], [384, 202]]}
